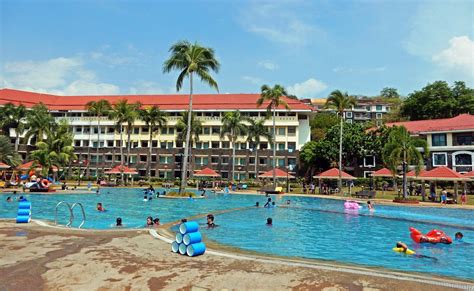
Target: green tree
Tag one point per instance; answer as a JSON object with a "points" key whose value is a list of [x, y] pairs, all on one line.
{"points": [[8, 154], [389, 93], [321, 123], [38, 123], [98, 109], [274, 99], [438, 100], [316, 155], [401, 149], [14, 117], [233, 126], [340, 101], [155, 119], [194, 132], [255, 132], [191, 59]]}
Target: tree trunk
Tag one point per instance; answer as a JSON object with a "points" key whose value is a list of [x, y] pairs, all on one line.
{"points": [[149, 154], [121, 153], [89, 151], [188, 136], [233, 154], [404, 173], [17, 140], [274, 148], [129, 133], [339, 182], [256, 161], [98, 146]]}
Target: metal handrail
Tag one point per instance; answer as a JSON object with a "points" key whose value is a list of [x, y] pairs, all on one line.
{"points": [[71, 215], [83, 213]]}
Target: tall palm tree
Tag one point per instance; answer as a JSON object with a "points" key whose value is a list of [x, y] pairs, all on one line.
{"points": [[195, 130], [122, 112], [38, 123], [402, 149], [233, 126], [155, 119], [340, 101], [274, 97], [191, 59], [14, 117], [7, 153], [98, 109], [255, 131]]}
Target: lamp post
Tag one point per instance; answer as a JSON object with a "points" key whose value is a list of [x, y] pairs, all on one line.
{"points": [[290, 168]]}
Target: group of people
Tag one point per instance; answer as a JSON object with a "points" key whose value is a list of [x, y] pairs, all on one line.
{"points": [[150, 222], [458, 236], [10, 199]]}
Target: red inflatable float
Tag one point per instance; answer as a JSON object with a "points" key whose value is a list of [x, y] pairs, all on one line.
{"points": [[434, 236]]}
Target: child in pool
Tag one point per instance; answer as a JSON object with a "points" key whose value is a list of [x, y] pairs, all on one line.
{"points": [[269, 221], [100, 207], [149, 221], [118, 222], [156, 222], [370, 206]]}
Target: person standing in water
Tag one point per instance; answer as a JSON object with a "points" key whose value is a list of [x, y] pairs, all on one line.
{"points": [[269, 221]]}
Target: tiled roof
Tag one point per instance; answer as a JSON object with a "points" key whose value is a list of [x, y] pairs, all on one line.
{"points": [[334, 174], [384, 172], [125, 170], [442, 173], [278, 174], [460, 122], [206, 172], [470, 174], [4, 166], [412, 174], [165, 102]]}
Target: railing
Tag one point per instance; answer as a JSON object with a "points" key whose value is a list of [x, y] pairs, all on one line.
{"points": [[71, 213], [83, 213]]}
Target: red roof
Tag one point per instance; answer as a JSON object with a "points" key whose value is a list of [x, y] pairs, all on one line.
{"points": [[469, 174], [119, 169], [413, 173], [278, 174], [29, 165], [165, 102], [442, 173], [460, 122], [384, 172], [206, 172], [4, 166], [334, 174]]}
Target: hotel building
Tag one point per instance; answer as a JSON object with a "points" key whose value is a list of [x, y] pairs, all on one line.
{"points": [[292, 132]]}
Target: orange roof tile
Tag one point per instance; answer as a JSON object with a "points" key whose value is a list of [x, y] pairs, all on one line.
{"points": [[384, 172], [206, 172], [165, 102], [442, 173], [278, 174], [334, 174], [119, 169], [460, 122]]}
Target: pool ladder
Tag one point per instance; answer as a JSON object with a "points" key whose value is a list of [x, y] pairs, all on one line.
{"points": [[71, 213]]}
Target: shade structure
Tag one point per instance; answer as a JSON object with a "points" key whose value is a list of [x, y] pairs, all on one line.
{"points": [[442, 174], [384, 172], [29, 165], [469, 174], [278, 174], [121, 169], [412, 174], [4, 166], [334, 174], [206, 172]]}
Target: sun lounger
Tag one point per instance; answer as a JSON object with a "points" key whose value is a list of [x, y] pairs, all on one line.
{"points": [[367, 194]]}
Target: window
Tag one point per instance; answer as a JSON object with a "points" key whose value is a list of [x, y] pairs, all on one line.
{"points": [[225, 160], [252, 161], [291, 146], [206, 130], [348, 114], [281, 146], [134, 144], [291, 130], [216, 130], [281, 131], [143, 158], [179, 144], [369, 161], [77, 143], [240, 161], [110, 130], [262, 161], [154, 143], [349, 120], [292, 162], [225, 175], [108, 158], [166, 159], [438, 140], [367, 108], [440, 159], [170, 145], [205, 145], [214, 160], [263, 145], [153, 158], [281, 162], [215, 144], [199, 145], [464, 139], [378, 116], [243, 146], [78, 129], [145, 129], [378, 107], [136, 130], [163, 145], [144, 144], [170, 130], [110, 143], [225, 144], [133, 159], [463, 160]]}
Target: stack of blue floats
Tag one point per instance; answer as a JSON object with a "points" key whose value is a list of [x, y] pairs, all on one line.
{"points": [[188, 240], [24, 212]]}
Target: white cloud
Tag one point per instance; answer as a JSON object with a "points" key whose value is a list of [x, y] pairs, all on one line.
{"points": [[358, 70], [64, 76], [307, 89], [269, 65], [458, 56], [146, 87], [253, 80]]}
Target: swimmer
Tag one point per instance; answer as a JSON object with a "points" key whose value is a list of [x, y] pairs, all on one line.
{"points": [[370, 206], [156, 222], [288, 202], [269, 221], [97, 192], [257, 204], [402, 246], [150, 198], [100, 207], [458, 236], [183, 220], [405, 249], [203, 193], [9, 199], [273, 204], [145, 198], [268, 202], [118, 222], [149, 221], [210, 221]]}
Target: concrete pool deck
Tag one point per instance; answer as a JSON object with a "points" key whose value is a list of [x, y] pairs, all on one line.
{"points": [[36, 257]]}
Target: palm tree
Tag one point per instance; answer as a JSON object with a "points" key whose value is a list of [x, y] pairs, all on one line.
{"points": [[155, 119], [402, 149], [123, 112], [7, 153], [14, 117], [38, 123], [191, 59], [340, 101], [274, 97], [255, 131], [233, 126], [195, 131], [98, 109]]}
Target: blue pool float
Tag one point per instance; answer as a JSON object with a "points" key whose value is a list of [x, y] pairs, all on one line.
{"points": [[196, 249], [188, 227], [192, 238]]}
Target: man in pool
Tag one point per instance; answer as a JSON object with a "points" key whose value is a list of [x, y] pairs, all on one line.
{"points": [[370, 206], [269, 221], [269, 202], [405, 249], [9, 199], [156, 222], [100, 207], [257, 204], [118, 222], [210, 221], [149, 221]]}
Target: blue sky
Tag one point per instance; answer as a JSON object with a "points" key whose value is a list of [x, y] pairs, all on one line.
{"points": [[310, 47]]}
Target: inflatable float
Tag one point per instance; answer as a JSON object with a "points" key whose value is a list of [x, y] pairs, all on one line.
{"points": [[401, 250], [433, 236], [350, 204]]}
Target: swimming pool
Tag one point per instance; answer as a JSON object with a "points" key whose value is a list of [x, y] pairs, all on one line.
{"points": [[308, 228]]}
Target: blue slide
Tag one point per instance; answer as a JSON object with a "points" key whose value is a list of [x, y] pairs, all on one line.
{"points": [[24, 212]]}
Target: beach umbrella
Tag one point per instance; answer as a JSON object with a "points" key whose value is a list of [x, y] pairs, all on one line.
{"points": [[4, 166], [278, 174], [119, 169], [334, 174], [206, 172], [384, 172]]}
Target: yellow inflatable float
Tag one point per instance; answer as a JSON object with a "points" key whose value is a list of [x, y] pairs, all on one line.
{"points": [[401, 250]]}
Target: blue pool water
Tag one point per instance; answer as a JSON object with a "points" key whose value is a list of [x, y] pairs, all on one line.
{"points": [[308, 228]]}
